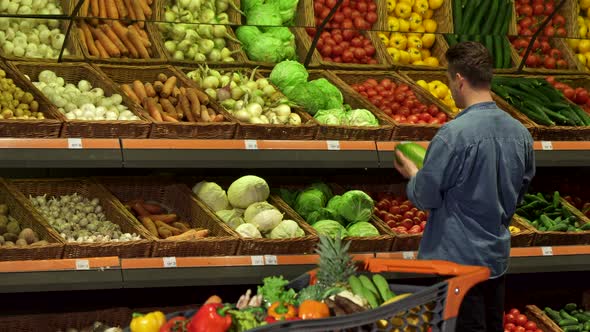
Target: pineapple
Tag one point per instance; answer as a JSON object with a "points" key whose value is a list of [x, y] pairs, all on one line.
{"points": [[335, 265]]}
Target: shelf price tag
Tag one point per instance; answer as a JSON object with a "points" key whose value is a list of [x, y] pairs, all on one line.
{"points": [[251, 144], [270, 259], [546, 145], [169, 261], [408, 255], [75, 143], [82, 264], [547, 251], [333, 145], [257, 260]]}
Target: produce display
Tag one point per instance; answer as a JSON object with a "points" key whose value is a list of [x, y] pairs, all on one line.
{"points": [[80, 219], [486, 22], [247, 98], [400, 214], [539, 101], [581, 45], [515, 321], [578, 95], [95, 327], [106, 33], [318, 97], [547, 214], [399, 102], [15, 103], [570, 317], [265, 37], [529, 18], [162, 223], [440, 91], [31, 38], [579, 204], [336, 216], [201, 33], [13, 235], [342, 41], [244, 208], [82, 101], [165, 101], [411, 29]]}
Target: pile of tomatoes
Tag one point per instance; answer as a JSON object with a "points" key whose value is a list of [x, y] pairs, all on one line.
{"points": [[514, 321], [530, 15], [342, 40], [399, 102], [578, 95], [400, 214]]}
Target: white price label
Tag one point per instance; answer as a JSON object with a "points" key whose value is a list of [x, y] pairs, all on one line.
{"points": [[333, 145], [82, 264], [546, 145], [547, 251], [408, 255], [75, 143], [169, 261], [257, 260], [251, 144], [270, 259]]}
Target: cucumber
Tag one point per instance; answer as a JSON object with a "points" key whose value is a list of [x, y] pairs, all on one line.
{"points": [[503, 14], [565, 315], [587, 326], [567, 322], [370, 297], [556, 202], [548, 223], [492, 18], [475, 27], [496, 47], [582, 115], [585, 227], [471, 7], [383, 287], [581, 317], [573, 328], [413, 151], [368, 284], [553, 314], [356, 286], [559, 228], [458, 13], [507, 50]]}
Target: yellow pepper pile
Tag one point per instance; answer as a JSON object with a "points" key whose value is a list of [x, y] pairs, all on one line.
{"points": [[513, 229], [582, 46], [440, 91], [411, 31]]}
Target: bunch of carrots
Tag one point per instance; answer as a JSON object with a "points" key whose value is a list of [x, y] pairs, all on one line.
{"points": [[162, 224], [116, 28], [166, 102]]}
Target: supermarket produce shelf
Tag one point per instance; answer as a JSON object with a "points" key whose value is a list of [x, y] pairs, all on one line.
{"points": [[165, 153], [115, 273]]}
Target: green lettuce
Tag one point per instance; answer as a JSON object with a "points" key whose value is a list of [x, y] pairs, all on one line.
{"points": [[287, 74], [332, 95], [332, 117], [323, 214], [362, 117], [310, 200]]}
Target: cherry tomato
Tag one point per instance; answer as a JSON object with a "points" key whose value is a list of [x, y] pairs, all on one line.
{"points": [[509, 326], [521, 320], [569, 93], [525, 10], [530, 325], [538, 9]]}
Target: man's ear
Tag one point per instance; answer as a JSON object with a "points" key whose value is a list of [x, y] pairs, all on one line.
{"points": [[459, 79]]}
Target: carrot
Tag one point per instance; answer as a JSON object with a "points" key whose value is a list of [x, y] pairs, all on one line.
{"points": [[167, 218], [180, 226], [136, 40], [190, 235], [219, 118], [182, 90], [144, 36], [205, 114], [144, 39], [147, 11], [158, 86], [168, 107], [130, 9], [113, 37], [174, 230], [153, 208], [140, 210], [203, 98], [129, 92], [121, 8], [186, 108], [102, 8], [92, 49], [150, 225], [149, 90], [164, 232], [168, 86], [111, 9], [84, 8], [211, 112], [169, 118], [94, 8], [213, 299], [162, 77], [139, 14], [175, 92], [153, 109], [173, 100], [106, 43], [179, 111], [103, 54], [139, 89], [121, 32], [195, 103]]}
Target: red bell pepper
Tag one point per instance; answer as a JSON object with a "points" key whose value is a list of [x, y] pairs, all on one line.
{"points": [[175, 324], [211, 317]]}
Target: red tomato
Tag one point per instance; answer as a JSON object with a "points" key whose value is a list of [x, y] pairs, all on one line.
{"points": [[396, 118], [423, 225], [432, 110], [582, 96], [538, 9], [407, 223], [409, 103], [510, 318], [425, 117], [560, 86], [509, 326], [530, 325], [545, 47], [526, 22], [391, 224], [347, 35], [421, 215], [359, 22], [550, 63], [413, 118], [395, 210], [521, 320], [532, 61], [442, 117], [561, 64], [551, 80], [371, 18], [404, 111], [400, 97], [549, 8], [519, 329], [561, 32], [395, 106], [558, 21], [415, 230], [549, 31], [370, 50], [408, 215], [404, 208], [416, 220], [434, 121], [402, 88], [569, 93], [383, 204], [525, 10]]}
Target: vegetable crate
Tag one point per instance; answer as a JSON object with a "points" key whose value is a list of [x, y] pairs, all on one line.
{"points": [[179, 200], [541, 319], [58, 187], [160, 129], [65, 321], [75, 72], [573, 64], [50, 127], [401, 131]]}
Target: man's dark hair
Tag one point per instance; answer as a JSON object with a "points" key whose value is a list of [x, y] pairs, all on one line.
{"points": [[473, 61]]}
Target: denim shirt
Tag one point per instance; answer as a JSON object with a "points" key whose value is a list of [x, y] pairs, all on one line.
{"points": [[477, 169]]}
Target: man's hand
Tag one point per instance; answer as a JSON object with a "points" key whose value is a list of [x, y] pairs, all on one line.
{"points": [[405, 166]]}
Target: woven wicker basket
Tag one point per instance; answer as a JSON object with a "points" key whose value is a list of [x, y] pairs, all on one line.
{"points": [[564, 238], [543, 321], [401, 131], [525, 237], [306, 131], [113, 211], [201, 130], [73, 73], [305, 16], [567, 53], [52, 250], [221, 240], [569, 10], [116, 317], [156, 53], [50, 127]]}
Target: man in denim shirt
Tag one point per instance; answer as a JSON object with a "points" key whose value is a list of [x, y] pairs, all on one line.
{"points": [[477, 169]]}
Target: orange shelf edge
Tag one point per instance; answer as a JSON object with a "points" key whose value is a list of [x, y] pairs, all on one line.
{"points": [[58, 143], [58, 264]]}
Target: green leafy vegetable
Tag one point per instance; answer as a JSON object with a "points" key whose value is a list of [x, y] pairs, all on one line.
{"points": [[330, 228], [287, 74], [324, 188], [331, 94], [310, 200], [289, 196], [334, 203], [362, 229], [332, 117], [362, 117], [323, 214], [356, 206], [244, 320], [273, 290], [286, 229], [266, 14]]}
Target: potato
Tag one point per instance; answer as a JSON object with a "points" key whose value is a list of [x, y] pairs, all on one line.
{"points": [[21, 243], [9, 244], [3, 224], [3, 209], [13, 227], [28, 235], [1, 240], [9, 237]]}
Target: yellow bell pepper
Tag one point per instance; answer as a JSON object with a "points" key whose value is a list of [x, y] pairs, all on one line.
{"points": [[384, 38], [148, 323]]}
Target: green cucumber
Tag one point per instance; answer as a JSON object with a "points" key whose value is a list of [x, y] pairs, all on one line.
{"points": [[567, 322], [501, 20], [558, 228], [458, 14], [492, 18], [548, 223], [413, 151], [556, 199], [368, 284], [370, 297], [581, 114], [553, 314], [565, 315], [471, 7], [355, 285], [507, 50], [383, 287], [582, 318], [573, 328], [585, 227], [496, 46], [475, 27]]}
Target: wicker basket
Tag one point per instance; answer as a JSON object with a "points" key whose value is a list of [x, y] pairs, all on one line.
{"points": [[73, 73], [156, 53], [305, 16], [543, 321], [401, 131], [567, 53], [59, 187], [569, 10], [525, 237], [564, 238], [221, 241], [382, 132], [116, 317], [52, 250], [201, 130], [306, 131], [71, 43], [50, 127]]}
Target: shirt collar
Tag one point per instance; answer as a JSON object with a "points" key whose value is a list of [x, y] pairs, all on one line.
{"points": [[478, 106]]}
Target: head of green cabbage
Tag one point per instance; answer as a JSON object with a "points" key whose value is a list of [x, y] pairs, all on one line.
{"points": [[286, 229], [356, 206]]}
